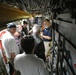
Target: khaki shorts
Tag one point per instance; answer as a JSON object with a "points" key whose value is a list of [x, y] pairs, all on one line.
{"points": [[48, 46]]}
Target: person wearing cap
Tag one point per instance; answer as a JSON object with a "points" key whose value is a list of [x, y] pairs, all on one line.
{"points": [[28, 63], [24, 30], [9, 44]]}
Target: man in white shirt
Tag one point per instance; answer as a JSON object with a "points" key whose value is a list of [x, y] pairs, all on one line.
{"points": [[9, 44], [28, 63]]}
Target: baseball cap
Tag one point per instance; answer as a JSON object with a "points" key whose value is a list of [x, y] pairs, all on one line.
{"points": [[11, 25]]}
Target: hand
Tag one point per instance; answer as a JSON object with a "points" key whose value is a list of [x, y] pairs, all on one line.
{"points": [[41, 34]]}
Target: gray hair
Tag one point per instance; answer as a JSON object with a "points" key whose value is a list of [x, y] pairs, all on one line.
{"points": [[36, 28]]}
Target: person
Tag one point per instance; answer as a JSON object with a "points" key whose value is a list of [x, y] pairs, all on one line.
{"points": [[24, 30], [28, 63], [1, 47], [17, 36], [9, 44], [46, 34], [39, 45]]}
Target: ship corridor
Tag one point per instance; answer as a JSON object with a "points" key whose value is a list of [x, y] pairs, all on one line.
{"points": [[63, 16]]}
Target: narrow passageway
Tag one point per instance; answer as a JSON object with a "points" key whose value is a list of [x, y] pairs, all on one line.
{"points": [[52, 24]]}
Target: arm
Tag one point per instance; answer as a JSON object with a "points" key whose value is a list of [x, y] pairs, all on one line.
{"points": [[46, 37], [13, 49], [30, 31], [13, 56]]}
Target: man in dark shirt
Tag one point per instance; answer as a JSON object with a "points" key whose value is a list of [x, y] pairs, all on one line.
{"points": [[24, 30], [46, 34]]}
